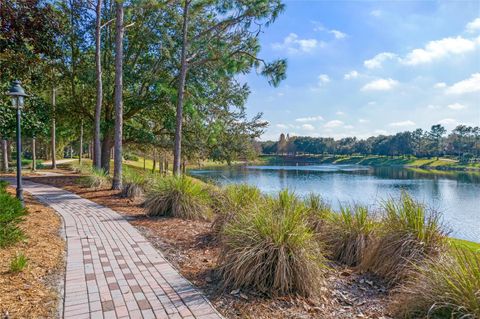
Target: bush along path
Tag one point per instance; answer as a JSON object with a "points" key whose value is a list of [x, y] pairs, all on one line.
{"points": [[112, 270]]}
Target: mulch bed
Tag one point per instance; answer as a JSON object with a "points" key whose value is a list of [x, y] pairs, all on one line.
{"points": [[33, 292], [193, 250]]}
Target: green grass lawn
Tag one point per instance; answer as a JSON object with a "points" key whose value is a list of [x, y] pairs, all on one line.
{"points": [[465, 243]]}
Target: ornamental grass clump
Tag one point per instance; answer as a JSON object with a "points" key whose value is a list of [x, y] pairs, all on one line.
{"points": [[180, 197], [409, 234], [349, 234], [233, 199], [271, 249], [318, 211], [11, 214], [97, 178], [134, 183], [82, 168], [446, 286]]}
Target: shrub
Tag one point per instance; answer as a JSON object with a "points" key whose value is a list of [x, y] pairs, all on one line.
{"points": [[11, 213], [446, 286], [233, 199], [97, 178], [18, 263], [83, 168], [318, 211], [349, 234], [130, 157], [409, 233], [178, 197], [271, 249], [134, 183], [3, 186]]}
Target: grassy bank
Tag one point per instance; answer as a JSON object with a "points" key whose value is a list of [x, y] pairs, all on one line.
{"points": [[372, 160]]}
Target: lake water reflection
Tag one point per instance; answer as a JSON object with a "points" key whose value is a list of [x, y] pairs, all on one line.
{"points": [[455, 194]]}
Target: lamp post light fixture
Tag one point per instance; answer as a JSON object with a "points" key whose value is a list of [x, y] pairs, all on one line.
{"points": [[18, 95]]}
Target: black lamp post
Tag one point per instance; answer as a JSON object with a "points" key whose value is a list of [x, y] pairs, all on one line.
{"points": [[18, 95]]}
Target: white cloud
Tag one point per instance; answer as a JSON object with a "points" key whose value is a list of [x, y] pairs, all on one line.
{"points": [[351, 75], [308, 127], [338, 34], [334, 123], [318, 27], [293, 44], [456, 106], [402, 123], [348, 127], [433, 106], [380, 85], [473, 26], [440, 85], [376, 13], [448, 122], [376, 61], [438, 49], [371, 103], [363, 121], [323, 79], [472, 84], [340, 113], [310, 119]]}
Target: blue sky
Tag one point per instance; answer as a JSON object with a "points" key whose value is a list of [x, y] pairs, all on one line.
{"points": [[363, 68]]}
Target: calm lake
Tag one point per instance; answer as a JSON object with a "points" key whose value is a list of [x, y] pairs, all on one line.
{"points": [[455, 194]]}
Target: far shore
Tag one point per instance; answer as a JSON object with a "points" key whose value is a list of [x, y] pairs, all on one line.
{"points": [[434, 163]]}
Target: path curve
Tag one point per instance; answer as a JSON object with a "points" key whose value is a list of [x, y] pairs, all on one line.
{"points": [[112, 270]]}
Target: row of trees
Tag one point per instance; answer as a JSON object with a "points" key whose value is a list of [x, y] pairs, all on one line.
{"points": [[463, 142], [157, 76]]}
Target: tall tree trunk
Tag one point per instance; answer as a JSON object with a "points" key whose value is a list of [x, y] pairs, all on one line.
{"points": [[80, 149], [117, 161], [53, 130], [106, 149], [98, 73], [161, 163], [34, 154], [154, 161], [9, 150], [4, 156], [181, 92]]}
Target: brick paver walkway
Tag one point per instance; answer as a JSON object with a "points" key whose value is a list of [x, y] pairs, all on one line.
{"points": [[112, 270]]}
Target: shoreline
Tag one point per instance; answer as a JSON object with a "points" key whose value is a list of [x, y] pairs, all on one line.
{"points": [[431, 164]]}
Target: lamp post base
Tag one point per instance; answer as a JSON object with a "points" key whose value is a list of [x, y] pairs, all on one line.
{"points": [[20, 196]]}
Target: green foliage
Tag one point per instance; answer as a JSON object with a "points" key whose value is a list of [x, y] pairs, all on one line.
{"points": [[461, 143], [180, 197], [270, 248], [3, 186], [11, 214], [130, 157], [18, 263], [446, 286], [349, 234], [409, 234]]}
